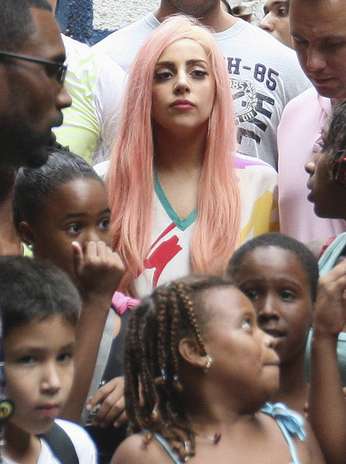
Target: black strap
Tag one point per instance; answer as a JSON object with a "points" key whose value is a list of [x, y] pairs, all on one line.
{"points": [[61, 445]]}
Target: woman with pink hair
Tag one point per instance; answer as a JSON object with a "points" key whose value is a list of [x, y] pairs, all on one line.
{"points": [[180, 198]]}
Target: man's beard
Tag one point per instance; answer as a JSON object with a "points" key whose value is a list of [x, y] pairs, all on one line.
{"points": [[21, 147]]}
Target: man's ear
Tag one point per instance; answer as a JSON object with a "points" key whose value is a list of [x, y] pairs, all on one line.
{"points": [[26, 233], [191, 353]]}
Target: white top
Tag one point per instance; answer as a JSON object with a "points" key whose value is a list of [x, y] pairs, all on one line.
{"points": [[83, 444], [169, 255], [96, 85], [264, 76]]}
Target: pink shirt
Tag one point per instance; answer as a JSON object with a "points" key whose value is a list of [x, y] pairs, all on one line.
{"points": [[299, 134]]}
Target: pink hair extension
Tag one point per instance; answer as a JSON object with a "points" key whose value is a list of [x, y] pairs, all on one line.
{"points": [[130, 177]]}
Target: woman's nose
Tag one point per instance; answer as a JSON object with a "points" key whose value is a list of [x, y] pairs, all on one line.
{"points": [[182, 83]]}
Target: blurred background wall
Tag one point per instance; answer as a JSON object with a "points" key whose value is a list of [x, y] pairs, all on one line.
{"points": [[91, 20]]}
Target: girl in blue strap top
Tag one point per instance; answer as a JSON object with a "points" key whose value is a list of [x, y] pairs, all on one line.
{"points": [[199, 373]]}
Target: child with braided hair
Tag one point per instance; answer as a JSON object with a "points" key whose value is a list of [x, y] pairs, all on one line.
{"points": [[198, 375]]}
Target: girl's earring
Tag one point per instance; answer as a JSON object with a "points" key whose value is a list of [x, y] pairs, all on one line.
{"points": [[208, 364]]}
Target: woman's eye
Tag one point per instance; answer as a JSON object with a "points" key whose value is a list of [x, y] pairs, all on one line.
{"points": [[104, 224], [199, 73], [287, 295], [73, 229], [163, 75]]}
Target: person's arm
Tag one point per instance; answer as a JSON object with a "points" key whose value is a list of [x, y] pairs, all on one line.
{"points": [[327, 411], [99, 272]]}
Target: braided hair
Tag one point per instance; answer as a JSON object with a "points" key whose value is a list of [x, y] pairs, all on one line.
{"points": [[152, 359]]}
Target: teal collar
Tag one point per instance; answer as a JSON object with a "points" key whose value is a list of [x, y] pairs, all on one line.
{"points": [[182, 224]]}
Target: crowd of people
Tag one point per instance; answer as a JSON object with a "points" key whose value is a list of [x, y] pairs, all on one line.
{"points": [[173, 237]]}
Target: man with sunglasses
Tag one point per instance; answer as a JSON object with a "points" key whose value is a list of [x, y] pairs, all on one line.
{"points": [[32, 74]]}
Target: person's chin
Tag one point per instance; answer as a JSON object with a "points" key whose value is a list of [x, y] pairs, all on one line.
{"points": [[320, 211], [37, 157]]}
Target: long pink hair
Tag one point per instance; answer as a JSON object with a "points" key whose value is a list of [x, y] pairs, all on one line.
{"points": [[130, 176]]}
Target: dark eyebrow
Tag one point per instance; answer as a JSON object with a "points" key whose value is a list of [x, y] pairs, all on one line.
{"points": [[189, 62], [274, 4], [32, 349], [80, 215]]}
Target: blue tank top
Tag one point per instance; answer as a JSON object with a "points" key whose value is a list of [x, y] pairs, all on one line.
{"points": [[290, 423]]}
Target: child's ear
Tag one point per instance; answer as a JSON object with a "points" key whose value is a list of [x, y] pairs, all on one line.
{"points": [[191, 353], [26, 233]]}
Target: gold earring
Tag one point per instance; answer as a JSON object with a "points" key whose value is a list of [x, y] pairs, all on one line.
{"points": [[208, 364]]}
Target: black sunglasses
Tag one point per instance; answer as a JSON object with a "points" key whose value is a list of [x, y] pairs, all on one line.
{"points": [[58, 70]]}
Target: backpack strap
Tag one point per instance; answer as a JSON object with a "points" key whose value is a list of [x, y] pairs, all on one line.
{"points": [[61, 445]]}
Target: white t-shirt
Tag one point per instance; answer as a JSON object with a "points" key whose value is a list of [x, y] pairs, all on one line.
{"points": [[83, 444], [264, 76], [96, 85], [169, 255]]}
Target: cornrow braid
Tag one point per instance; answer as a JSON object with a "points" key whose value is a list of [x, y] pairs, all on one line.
{"points": [[152, 360], [188, 304]]}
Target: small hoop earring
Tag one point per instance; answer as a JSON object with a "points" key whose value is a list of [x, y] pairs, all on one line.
{"points": [[208, 364]]}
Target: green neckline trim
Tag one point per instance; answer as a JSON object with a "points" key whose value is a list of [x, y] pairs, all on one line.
{"points": [[182, 224]]}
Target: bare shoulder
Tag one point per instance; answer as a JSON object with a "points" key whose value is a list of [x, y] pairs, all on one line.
{"points": [[133, 450]]}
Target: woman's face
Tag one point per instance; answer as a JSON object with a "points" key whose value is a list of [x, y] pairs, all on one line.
{"points": [[327, 195], [183, 88]]}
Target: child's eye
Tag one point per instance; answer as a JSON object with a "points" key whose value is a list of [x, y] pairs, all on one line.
{"points": [[251, 293], [247, 324], [26, 360], [104, 224], [65, 358], [73, 229], [287, 295]]}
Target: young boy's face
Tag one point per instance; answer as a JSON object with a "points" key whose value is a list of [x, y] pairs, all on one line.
{"points": [[75, 211], [39, 371]]}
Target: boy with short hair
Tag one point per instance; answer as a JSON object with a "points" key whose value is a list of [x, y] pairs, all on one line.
{"points": [[39, 310]]}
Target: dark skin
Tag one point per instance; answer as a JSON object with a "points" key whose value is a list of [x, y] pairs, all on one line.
{"points": [[72, 231], [226, 399], [209, 12], [278, 286], [328, 407], [32, 99], [10, 243]]}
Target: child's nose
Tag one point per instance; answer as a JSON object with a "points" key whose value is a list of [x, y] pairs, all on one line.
{"points": [[268, 308], [92, 235], [51, 382], [310, 167]]}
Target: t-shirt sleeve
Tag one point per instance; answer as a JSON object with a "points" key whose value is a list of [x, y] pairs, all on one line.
{"points": [[84, 446]]}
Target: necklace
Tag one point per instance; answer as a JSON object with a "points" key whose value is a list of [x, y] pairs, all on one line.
{"points": [[214, 439]]}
